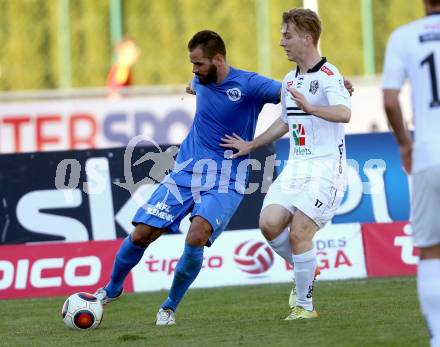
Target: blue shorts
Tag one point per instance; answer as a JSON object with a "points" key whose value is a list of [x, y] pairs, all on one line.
{"points": [[172, 201]]}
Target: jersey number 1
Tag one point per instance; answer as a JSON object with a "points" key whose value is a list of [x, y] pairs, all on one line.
{"points": [[431, 63]]}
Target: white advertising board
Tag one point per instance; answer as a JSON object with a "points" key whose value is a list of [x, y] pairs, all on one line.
{"points": [[244, 258]]}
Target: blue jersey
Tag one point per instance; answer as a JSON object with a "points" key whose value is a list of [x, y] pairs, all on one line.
{"points": [[230, 107]]}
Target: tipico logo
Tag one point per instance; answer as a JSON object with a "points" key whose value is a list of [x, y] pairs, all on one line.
{"points": [[299, 134], [253, 257]]}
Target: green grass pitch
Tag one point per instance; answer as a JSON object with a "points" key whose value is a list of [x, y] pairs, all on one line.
{"points": [[373, 312]]}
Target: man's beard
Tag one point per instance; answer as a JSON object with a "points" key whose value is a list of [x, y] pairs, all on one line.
{"points": [[211, 76]]}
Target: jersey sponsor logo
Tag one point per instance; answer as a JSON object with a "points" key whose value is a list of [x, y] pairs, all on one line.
{"points": [[299, 137], [314, 85], [299, 134], [327, 71], [302, 151], [234, 94]]}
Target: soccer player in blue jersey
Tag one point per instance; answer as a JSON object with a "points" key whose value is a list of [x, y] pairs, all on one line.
{"points": [[228, 100]]}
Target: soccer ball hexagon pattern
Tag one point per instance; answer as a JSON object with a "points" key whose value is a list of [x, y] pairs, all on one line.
{"points": [[82, 311]]}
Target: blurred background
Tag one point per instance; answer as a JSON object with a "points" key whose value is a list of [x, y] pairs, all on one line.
{"points": [[80, 78], [59, 44], [107, 53]]}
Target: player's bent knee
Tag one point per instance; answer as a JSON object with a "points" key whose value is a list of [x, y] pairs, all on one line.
{"points": [[299, 235], [143, 235], [199, 232], [198, 237], [268, 229], [296, 238], [300, 243]]}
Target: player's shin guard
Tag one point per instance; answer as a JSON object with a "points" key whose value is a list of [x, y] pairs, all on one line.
{"points": [[281, 245], [304, 271], [185, 273], [428, 286], [127, 257]]}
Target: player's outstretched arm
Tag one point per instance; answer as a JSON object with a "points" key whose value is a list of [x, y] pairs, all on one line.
{"points": [[274, 132], [332, 113]]}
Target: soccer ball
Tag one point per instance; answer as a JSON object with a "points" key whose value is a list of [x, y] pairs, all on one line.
{"points": [[82, 311]]}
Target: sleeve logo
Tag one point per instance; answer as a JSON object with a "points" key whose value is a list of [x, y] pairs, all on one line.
{"points": [[327, 71]]}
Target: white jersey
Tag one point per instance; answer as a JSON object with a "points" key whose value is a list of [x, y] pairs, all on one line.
{"points": [[413, 52], [317, 146]]}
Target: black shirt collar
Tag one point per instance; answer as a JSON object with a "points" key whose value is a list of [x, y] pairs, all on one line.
{"points": [[315, 68], [432, 13]]}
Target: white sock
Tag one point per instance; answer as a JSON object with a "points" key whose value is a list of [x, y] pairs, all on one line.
{"points": [[428, 287], [281, 245], [304, 272]]}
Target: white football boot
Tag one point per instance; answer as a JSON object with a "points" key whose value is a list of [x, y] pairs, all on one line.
{"points": [[101, 295], [165, 317]]}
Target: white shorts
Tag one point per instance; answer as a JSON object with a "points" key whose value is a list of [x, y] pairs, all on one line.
{"points": [[425, 206], [316, 197]]}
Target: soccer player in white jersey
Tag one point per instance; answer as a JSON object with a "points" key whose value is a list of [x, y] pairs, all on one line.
{"points": [[305, 196], [413, 52]]}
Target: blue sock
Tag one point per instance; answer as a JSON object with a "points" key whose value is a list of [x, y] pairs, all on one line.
{"points": [[187, 269], [127, 257]]}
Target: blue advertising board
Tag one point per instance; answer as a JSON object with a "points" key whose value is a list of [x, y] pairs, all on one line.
{"points": [[378, 189]]}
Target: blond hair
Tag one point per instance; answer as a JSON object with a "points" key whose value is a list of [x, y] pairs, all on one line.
{"points": [[306, 21]]}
